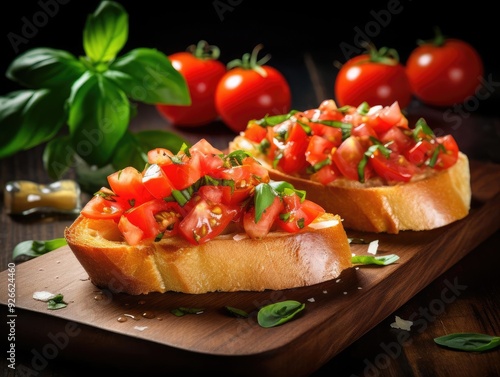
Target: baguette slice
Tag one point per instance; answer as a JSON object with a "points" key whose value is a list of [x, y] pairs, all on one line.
{"points": [[425, 203], [227, 263]]}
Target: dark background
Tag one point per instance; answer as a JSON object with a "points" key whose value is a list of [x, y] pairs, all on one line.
{"points": [[329, 30]]}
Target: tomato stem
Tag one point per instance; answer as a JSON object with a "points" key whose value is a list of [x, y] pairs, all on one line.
{"points": [[438, 40], [203, 50], [249, 61]]}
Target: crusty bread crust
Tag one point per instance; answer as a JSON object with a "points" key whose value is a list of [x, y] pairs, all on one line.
{"points": [[227, 263], [427, 203]]}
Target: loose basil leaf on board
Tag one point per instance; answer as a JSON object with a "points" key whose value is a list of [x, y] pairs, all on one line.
{"points": [[57, 302], [98, 118], [46, 68], [382, 260], [33, 248], [236, 312], [147, 75], [105, 32], [281, 312], [472, 342], [181, 311]]}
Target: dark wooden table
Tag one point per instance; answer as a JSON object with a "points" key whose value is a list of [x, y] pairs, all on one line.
{"points": [[379, 352]]}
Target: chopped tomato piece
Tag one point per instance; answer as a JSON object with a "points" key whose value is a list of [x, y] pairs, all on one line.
{"points": [[394, 168], [105, 204], [156, 182], [127, 184], [298, 214], [152, 218], [205, 221], [259, 229]]}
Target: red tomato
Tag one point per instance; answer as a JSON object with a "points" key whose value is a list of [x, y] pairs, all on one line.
{"points": [[127, 184], [205, 221], [393, 168], [294, 152], [348, 156], [444, 71], [105, 205], [150, 220], [376, 77], [447, 152], [202, 72], [251, 90], [262, 227], [156, 182], [184, 171], [297, 215]]}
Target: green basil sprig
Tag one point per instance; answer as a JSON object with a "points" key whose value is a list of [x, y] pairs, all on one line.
{"points": [[281, 312], [472, 342], [92, 95]]}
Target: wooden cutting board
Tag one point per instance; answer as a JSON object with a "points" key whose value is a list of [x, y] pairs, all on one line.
{"points": [[337, 313]]}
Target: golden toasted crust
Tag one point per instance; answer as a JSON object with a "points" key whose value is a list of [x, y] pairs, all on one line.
{"points": [[227, 263], [431, 202]]}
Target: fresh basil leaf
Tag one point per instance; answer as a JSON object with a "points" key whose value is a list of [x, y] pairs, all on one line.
{"points": [[133, 147], [236, 312], [105, 32], [147, 75], [58, 156], [99, 114], [14, 135], [472, 342], [264, 197], [33, 248], [279, 313], [57, 302], [179, 312], [45, 68], [382, 260], [89, 178], [29, 118]]}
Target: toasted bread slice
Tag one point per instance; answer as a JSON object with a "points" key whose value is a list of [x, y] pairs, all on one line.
{"points": [[228, 263]]}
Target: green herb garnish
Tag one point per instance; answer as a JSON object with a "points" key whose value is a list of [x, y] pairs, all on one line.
{"points": [[375, 259], [236, 312], [36, 248], [276, 314], [57, 302], [179, 312], [472, 342]]}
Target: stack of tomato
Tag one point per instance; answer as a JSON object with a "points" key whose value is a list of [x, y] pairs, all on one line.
{"points": [[198, 194], [439, 72], [354, 143]]}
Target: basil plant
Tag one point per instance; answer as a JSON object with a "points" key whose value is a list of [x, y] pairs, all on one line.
{"points": [[93, 96]]}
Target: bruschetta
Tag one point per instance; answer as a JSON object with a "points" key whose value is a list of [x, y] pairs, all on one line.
{"points": [[201, 221], [365, 164]]}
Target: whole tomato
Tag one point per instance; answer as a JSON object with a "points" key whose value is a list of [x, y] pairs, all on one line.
{"points": [[251, 90], [444, 71], [376, 77], [202, 71]]}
